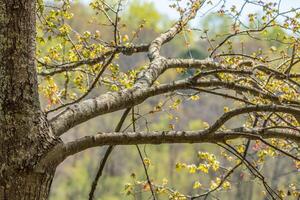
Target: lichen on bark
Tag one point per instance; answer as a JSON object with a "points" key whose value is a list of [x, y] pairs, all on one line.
{"points": [[24, 132]]}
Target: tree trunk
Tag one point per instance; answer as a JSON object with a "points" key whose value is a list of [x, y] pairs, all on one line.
{"points": [[27, 186], [25, 136]]}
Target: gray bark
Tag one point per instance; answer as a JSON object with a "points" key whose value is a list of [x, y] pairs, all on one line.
{"points": [[24, 132]]}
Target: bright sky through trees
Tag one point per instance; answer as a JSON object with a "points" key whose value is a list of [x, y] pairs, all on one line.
{"points": [[163, 5]]}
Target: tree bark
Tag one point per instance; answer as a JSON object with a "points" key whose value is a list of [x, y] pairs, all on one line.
{"points": [[24, 132], [27, 186]]}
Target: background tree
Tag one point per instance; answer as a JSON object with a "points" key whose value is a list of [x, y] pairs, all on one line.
{"points": [[81, 74]]}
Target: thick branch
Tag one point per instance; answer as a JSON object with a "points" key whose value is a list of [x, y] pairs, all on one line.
{"points": [[142, 89], [158, 63], [114, 101], [210, 134], [193, 63], [133, 138]]}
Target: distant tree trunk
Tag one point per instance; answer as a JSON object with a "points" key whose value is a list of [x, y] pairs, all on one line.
{"points": [[239, 190], [250, 191], [172, 162], [24, 132]]}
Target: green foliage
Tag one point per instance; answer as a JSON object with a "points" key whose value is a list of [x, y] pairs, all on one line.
{"points": [[143, 12], [216, 24]]}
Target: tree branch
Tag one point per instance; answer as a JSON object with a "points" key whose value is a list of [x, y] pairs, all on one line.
{"points": [[160, 137], [60, 68], [110, 102], [158, 63], [113, 101]]}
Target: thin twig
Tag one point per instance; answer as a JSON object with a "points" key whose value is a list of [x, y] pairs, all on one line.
{"points": [[141, 156], [105, 157]]}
